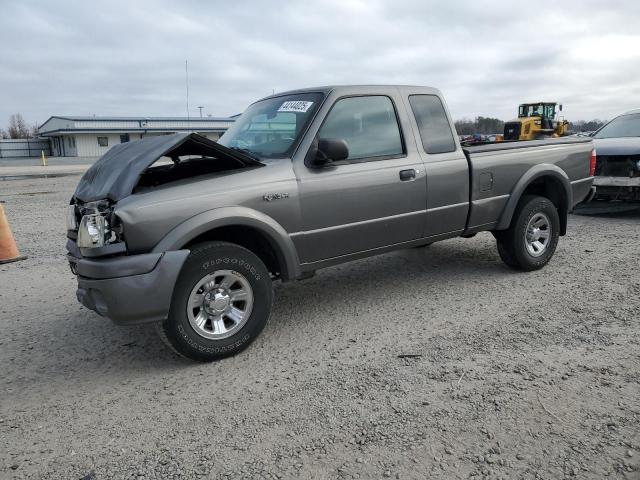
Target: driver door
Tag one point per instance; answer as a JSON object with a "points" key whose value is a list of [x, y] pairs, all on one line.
{"points": [[374, 198]]}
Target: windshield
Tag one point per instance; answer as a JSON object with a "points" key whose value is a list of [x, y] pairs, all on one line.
{"points": [[622, 126], [530, 111], [537, 110], [270, 128], [549, 111]]}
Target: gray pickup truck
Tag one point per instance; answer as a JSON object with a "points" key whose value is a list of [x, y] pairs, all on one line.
{"points": [[189, 234]]}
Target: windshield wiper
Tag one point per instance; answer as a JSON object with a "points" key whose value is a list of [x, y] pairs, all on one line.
{"points": [[248, 153]]}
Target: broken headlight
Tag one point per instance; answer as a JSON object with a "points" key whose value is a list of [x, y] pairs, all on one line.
{"points": [[93, 231]]}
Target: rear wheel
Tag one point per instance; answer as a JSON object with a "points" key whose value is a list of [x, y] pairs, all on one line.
{"points": [[531, 239], [221, 302]]}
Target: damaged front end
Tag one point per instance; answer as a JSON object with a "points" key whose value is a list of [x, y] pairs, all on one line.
{"points": [[617, 172], [137, 167], [618, 177], [132, 286]]}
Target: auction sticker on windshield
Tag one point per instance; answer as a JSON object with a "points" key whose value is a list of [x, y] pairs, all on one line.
{"points": [[300, 106]]}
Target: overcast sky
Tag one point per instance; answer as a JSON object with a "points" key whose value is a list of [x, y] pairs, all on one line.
{"points": [[127, 57]]}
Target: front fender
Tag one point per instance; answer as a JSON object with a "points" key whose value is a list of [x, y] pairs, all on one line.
{"points": [[235, 216], [537, 171]]}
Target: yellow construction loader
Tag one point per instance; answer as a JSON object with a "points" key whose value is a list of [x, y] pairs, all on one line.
{"points": [[536, 121]]}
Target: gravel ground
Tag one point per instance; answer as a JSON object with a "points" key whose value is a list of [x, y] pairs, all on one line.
{"points": [[423, 363]]}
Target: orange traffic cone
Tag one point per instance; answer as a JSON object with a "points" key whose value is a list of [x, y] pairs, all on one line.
{"points": [[8, 248]]}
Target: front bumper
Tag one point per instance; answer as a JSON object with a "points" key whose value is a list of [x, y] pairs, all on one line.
{"points": [[128, 289], [617, 188], [616, 181]]}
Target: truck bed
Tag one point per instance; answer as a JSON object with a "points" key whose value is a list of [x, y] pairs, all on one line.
{"points": [[493, 147], [499, 171]]}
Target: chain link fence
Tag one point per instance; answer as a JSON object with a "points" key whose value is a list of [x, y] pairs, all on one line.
{"points": [[31, 147]]}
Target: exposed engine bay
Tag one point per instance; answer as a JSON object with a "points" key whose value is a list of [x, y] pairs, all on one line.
{"points": [[179, 168], [154, 161]]}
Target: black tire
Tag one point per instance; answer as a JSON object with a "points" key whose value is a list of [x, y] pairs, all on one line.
{"points": [[512, 243], [506, 254], [205, 259]]}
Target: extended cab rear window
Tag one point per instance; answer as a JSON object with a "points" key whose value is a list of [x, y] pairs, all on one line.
{"points": [[433, 123]]}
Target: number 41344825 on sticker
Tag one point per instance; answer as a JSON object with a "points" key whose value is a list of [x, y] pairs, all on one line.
{"points": [[295, 106]]}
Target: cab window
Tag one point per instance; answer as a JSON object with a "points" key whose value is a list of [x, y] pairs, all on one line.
{"points": [[367, 124], [433, 124]]}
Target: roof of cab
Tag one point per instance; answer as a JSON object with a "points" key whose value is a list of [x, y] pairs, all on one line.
{"points": [[326, 89]]}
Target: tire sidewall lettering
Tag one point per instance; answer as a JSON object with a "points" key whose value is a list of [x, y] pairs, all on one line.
{"points": [[226, 261], [206, 260], [206, 349]]}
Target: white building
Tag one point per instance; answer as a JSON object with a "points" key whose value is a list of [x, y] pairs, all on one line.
{"points": [[93, 136]]}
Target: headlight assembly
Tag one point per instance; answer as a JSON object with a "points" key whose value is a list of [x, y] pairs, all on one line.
{"points": [[94, 231], [98, 225]]}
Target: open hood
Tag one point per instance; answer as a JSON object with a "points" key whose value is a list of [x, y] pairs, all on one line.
{"points": [[116, 174]]}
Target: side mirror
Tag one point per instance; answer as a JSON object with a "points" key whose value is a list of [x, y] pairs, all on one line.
{"points": [[330, 150], [560, 107]]}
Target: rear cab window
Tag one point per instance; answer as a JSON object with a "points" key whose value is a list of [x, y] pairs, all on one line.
{"points": [[433, 124], [369, 126]]}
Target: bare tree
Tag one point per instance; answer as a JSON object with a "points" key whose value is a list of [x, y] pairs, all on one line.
{"points": [[465, 126], [3, 134], [18, 128], [586, 125], [486, 125]]}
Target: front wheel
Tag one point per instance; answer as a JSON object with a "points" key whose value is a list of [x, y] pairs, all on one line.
{"points": [[531, 239], [221, 302]]}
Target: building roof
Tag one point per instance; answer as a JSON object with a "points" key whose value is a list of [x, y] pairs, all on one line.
{"points": [[59, 124], [88, 118]]}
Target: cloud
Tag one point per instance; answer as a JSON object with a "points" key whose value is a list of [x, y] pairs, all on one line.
{"points": [[127, 58]]}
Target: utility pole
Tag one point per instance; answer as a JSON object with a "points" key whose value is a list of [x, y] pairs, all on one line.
{"points": [[186, 78], [200, 111]]}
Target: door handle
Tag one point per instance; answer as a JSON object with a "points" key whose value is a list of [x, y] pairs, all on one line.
{"points": [[407, 174]]}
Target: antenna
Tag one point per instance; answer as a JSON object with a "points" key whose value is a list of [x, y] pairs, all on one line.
{"points": [[186, 73]]}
